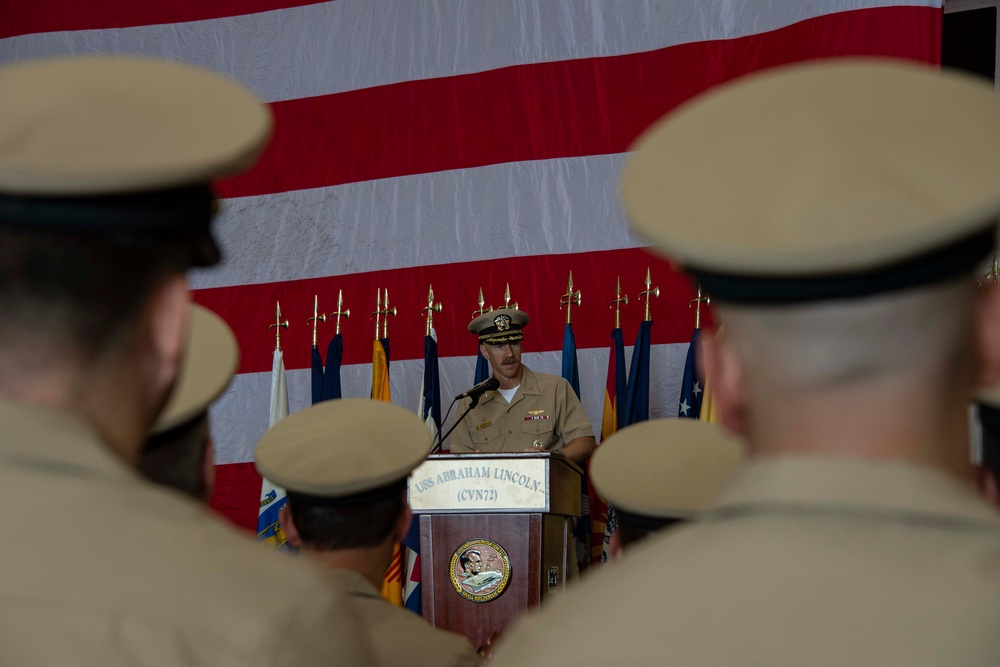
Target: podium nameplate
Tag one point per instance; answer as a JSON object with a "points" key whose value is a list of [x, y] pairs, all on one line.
{"points": [[480, 485]]}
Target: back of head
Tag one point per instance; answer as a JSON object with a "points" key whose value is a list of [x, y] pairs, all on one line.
{"points": [[104, 191], [837, 224], [663, 471], [344, 465], [178, 451]]}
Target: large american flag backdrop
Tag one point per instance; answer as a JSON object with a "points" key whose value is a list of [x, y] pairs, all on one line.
{"points": [[459, 143]]}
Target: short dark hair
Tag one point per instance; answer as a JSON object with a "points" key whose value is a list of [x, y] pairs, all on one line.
{"points": [[634, 528], [989, 417], [175, 458], [89, 290], [331, 525]]}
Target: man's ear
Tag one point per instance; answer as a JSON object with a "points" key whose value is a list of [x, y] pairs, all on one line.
{"points": [[168, 322], [725, 372], [288, 526], [482, 351], [988, 334]]}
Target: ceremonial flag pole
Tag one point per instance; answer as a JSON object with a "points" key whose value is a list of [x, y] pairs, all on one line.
{"points": [[272, 497], [571, 373], [335, 353], [482, 366], [392, 581], [612, 418], [637, 396], [430, 410], [692, 391], [317, 361]]}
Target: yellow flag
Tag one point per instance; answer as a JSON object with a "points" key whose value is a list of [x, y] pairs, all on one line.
{"points": [[392, 581], [380, 374], [708, 413]]}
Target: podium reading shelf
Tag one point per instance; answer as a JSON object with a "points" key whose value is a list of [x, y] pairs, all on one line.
{"points": [[496, 536]]}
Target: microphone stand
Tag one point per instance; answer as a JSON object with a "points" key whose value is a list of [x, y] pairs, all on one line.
{"points": [[440, 443]]}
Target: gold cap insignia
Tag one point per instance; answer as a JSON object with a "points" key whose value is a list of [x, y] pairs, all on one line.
{"points": [[502, 322]]}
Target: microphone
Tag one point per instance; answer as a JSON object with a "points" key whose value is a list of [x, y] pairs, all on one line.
{"points": [[480, 389]]}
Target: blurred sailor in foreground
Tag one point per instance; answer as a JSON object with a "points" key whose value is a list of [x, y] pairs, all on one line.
{"points": [[344, 465], [838, 222], [179, 451], [661, 473], [105, 202]]}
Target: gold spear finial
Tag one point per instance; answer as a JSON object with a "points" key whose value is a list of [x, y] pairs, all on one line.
{"points": [[316, 318], [649, 291], [506, 298], [696, 302], [386, 312], [277, 326], [378, 311], [340, 309], [993, 275], [617, 302], [570, 298], [482, 306], [430, 309]]}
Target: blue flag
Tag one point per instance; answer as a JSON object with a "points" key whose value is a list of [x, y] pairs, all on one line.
{"points": [[637, 396], [571, 373], [411, 580], [430, 400], [326, 384], [331, 379], [570, 368], [317, 376], [621, 385], [430, 411], [691, 389]]}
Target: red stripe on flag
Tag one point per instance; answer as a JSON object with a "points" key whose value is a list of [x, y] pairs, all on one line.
{"points": [[395, 571], [536, 283], [590, 106], [24, 18], [237, 494]]}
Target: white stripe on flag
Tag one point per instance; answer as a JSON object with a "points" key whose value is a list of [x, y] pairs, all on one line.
{"points": [[561, 206], [364, 44], [279, 410]]}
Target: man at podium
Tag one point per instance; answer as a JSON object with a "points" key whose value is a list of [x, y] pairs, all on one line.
{"points": [[530, 412]]}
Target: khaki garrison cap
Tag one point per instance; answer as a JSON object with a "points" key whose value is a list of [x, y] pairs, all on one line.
{"points": [[665, 468], [210, 361], [345, 447], [122, 146], [500, 326], [828, 179]]}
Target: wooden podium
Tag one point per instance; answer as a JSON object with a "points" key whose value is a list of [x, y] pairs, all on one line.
{"points": [[496, 536]]}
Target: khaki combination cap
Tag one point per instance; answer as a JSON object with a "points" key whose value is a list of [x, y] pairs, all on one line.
{"points": [[343, 447], [821, 180], [666, 468], [500, 326], [210, 361], [122, 147]]}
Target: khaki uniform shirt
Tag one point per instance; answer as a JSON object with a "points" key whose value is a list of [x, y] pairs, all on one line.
{"points": [[803, 561], [101, 567], [398, 636], [544, 409]]}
